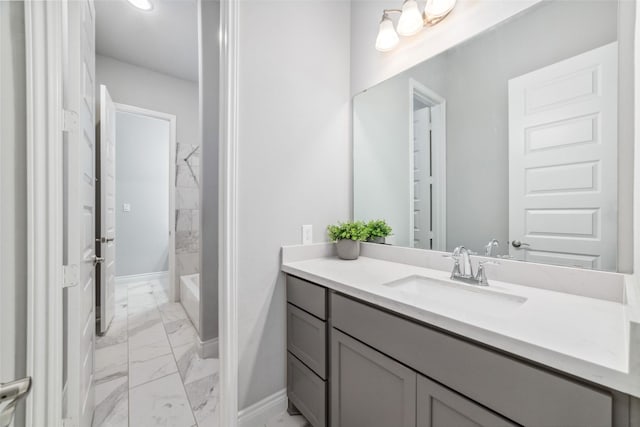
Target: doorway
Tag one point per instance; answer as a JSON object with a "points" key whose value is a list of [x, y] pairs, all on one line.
{"points": [[427, 160], [135, 198]]}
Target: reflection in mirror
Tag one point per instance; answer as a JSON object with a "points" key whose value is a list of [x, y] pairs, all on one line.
{"points": [[516, 143]]}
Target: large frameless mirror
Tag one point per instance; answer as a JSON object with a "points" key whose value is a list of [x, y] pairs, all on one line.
{"points": [[517, 143]]}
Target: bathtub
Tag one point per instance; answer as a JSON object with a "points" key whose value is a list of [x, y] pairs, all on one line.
{"points": [[190, 297]]}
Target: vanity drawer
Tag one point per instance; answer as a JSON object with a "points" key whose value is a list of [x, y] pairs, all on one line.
{"points": [[519, 391], [307, 296], [306, 339], [307, 392]]}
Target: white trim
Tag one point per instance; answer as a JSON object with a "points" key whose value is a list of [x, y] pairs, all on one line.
{"points": [[261, 412], [227, 205], [438, 106], [174, 288], [208, 349], [144, 277], [43, 31]]}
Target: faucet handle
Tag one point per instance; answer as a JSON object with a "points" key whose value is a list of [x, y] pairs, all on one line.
{"points": [[481, 275]]}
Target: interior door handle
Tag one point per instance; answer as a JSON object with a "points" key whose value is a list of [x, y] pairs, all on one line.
{"points": [[518, 243], [11, 393], [97, 259], [105, 239]]}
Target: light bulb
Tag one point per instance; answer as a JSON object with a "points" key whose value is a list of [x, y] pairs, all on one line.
{"points": [[410, 22], [438, 9], [142, 4], [387, 37]]}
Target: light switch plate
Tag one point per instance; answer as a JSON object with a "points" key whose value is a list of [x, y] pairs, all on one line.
{"points": [[126, 207], [307, 234]]}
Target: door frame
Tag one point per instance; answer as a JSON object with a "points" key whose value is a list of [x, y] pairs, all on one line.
{"points": [[438, 106], [228, 212], [45, 277], [174, 291]]}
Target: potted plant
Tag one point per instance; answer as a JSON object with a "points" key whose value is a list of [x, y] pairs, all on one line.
{"points": [[348, 236], [378, 230]]}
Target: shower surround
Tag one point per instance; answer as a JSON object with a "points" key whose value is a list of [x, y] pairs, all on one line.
{"points": [[187, 210]]}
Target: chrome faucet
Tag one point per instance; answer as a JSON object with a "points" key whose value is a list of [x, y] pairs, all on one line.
{"points": [[463, 268], [491, 249]]}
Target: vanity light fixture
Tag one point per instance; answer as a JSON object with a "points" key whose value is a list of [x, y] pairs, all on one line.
{"points": [[145, 5], [411, 21]]}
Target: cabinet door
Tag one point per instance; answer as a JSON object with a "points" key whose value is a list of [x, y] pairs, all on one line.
{"points": [[441, 407], [368, 388]]}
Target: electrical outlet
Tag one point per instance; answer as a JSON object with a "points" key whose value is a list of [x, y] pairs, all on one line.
{"points": [[126, 207], [307, 234]]}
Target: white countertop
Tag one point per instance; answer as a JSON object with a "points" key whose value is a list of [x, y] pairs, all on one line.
{"points": [[587, 337]]}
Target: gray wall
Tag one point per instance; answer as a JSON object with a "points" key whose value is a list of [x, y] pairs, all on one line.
{"points": [[133, 85], [381, 147], [209, 99], [13, 190], [472, 77], [142, 180], [381, 151], [294, 162]]}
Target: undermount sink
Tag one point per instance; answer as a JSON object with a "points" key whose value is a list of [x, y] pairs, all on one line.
{"points": [[421, 290]]}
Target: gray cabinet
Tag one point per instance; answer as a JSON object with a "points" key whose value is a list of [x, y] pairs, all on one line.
{"points": [[379, 369], [307, 350], [520, 391], [441, 407], [368, 388]]}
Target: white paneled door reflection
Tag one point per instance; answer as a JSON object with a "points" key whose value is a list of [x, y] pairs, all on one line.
{"points": [[563, 162], [422, 178]]}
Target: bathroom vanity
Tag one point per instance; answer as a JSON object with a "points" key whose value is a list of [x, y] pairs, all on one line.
{"points": [[379, 343], [515, 137]]}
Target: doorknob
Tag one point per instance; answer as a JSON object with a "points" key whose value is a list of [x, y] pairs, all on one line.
{"points": [[518, 243], [97, 259], [11, 393], [105, 239]]}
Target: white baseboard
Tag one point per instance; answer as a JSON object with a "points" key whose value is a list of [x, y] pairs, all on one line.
{"points": [[208, 349], [133, 278], [258, 414]]}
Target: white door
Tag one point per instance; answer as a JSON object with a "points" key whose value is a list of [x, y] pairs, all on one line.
{"points": [[13, 206], [563, 147], [79, 101], [107, 214], [422, 180]]}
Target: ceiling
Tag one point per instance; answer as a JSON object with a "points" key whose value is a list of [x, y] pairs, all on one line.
{"points": [[164, 39]]}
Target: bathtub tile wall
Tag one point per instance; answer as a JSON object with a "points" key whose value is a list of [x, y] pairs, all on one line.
{"points": [[187, 212]]}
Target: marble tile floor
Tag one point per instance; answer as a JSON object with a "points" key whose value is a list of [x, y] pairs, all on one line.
{"points": [[148, 372]]}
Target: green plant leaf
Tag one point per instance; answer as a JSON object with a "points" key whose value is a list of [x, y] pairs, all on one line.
{"points": [[351, 230], [379, 228]]}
